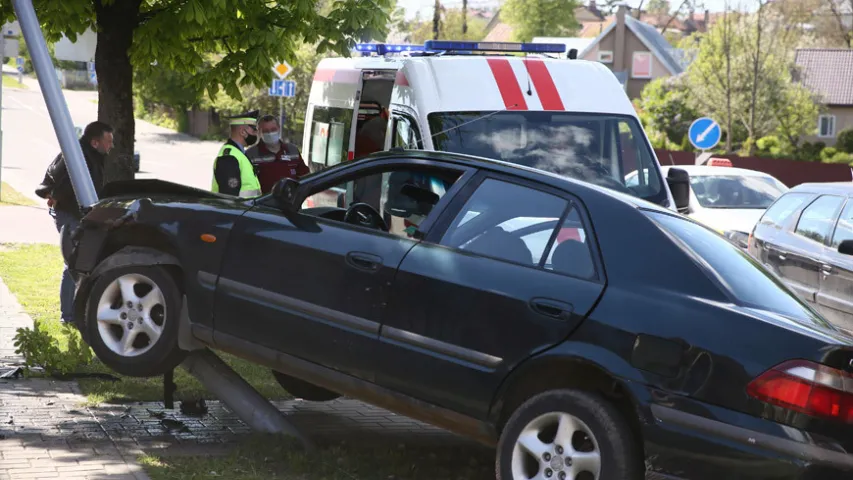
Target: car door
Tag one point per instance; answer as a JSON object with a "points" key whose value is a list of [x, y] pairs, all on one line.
{"points": [[312, 285], [835, 296], [508, 272], [800, 255]]}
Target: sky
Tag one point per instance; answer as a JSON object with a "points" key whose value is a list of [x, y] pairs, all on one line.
{"points": [[424, 7]]}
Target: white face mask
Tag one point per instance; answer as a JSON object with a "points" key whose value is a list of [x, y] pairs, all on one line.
{"points": [[271, 138]]}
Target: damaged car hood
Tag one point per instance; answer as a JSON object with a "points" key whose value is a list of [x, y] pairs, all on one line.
{"points": [[135, 188]]}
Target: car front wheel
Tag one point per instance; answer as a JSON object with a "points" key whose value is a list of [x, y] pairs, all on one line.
{"points": [[567, 435], [132, 319]]}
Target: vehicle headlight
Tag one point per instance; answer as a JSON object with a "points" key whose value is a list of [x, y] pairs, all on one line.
{"points": [[741, 239]]}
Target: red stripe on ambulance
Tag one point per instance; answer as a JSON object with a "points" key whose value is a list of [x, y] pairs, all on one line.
{"points": [[544, 83], [401, 79], [507, 84]]}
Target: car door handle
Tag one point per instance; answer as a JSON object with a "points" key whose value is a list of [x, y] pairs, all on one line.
{"points": [[364, 261], [552, 308], [826, 269], [782, 255]]}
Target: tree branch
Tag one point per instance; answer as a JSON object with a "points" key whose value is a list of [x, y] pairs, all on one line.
{"points": [[150, 14]]}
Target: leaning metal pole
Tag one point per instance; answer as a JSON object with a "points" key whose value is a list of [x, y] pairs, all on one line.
{"points": [[56, 106], [249, 405]]}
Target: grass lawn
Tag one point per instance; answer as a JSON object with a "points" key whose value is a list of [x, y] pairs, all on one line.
{"points": [[261, 457], [33, 273], [10, 196], [11, 81]]}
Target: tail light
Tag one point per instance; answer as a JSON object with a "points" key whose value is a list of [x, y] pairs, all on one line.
{"points": [[807, 387]]}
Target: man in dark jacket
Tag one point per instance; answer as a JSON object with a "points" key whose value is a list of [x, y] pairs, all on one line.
{"points": [[56, 188]]}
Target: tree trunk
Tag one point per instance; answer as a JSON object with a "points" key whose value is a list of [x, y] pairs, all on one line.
{"points": [[464, 19], [728, 53], [756, 59], [116, 23]]}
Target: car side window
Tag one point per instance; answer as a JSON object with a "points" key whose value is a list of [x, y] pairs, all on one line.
{"points": [[404, 197], [844, 228], [817, 219], [406, 133], [782, 209], [508, 222], [570, 254]]}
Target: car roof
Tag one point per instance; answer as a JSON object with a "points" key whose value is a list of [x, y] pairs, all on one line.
{"points": [[838, 188], [570, 184], [706, 170]]}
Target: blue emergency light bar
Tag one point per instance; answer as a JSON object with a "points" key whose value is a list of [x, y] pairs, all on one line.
{"points": [[383, 48], [457, 46]]}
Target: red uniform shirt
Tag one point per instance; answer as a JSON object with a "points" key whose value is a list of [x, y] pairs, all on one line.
{"points": [[272, 167]]}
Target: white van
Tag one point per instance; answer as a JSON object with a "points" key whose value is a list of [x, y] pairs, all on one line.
{"points": [[570, 117]]}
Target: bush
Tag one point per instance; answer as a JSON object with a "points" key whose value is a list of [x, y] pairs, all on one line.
{"points": [[827, 153], [845, 141], [838, 157], [40, 349], [809, 152]]}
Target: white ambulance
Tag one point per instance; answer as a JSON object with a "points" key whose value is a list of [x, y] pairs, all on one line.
{"points": [[504, 101]]}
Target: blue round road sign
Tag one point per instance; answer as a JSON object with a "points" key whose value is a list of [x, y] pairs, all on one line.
{"points": [[704, 133]]}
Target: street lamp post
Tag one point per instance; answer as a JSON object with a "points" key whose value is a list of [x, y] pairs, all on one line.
{"points": [[84, 189]]}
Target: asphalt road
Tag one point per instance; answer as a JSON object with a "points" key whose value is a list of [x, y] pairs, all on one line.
{"points": [[30, 143]]}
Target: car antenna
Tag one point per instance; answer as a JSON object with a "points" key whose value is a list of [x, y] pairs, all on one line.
{"points": [[481, 117]]}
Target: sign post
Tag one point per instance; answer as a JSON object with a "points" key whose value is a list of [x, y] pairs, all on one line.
{"points": [[282, 69], [704, 134], [19, 61]]}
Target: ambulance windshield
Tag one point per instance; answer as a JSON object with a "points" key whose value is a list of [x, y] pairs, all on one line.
{"points": [[608, 150]]}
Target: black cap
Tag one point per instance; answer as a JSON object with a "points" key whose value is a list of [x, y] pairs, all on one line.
{"points": [[247, 118]]}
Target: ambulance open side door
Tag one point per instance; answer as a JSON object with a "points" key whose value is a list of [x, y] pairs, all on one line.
{"points": [[367, 134]]}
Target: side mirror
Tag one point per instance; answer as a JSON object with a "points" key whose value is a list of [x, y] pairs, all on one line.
{"points": [[679, 184], [284, 191], [846, 247]]}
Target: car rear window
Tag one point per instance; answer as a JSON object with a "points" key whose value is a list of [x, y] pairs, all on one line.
{"points": [[743, 278]]}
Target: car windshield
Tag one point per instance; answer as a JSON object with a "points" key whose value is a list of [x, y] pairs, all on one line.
{"points": [[600, 149], [744, 279], [736, 191]]}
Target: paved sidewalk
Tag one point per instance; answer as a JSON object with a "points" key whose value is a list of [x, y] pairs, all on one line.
{"points": [[12, 317]]}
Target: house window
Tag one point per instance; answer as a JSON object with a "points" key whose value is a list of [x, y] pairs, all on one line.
{"points": [[641, 65], [605, 56], [826, 126]]}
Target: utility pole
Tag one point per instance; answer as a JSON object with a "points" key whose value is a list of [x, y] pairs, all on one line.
{"points": [[3, 56], [436, 20], [465, 19], [57, 108]]}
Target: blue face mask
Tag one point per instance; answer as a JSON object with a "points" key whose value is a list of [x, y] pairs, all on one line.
{"points": [[271, 138]]}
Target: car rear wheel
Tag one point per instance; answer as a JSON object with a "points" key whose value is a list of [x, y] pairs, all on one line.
{"points": [[304, 390], [132, 319], [567, 435]]}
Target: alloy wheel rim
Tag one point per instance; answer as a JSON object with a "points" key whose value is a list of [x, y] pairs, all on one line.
{"points": [[556, 446], [131, 315]]}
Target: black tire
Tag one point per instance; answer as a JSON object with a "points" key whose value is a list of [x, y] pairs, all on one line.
{"points": [[620, 455], [304, 390], [164, 355]]}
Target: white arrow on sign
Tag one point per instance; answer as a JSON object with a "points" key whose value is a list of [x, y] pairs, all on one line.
{"points": [[701, 137]]}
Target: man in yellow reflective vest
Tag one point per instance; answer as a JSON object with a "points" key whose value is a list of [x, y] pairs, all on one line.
{"points": [[233, 172]]}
